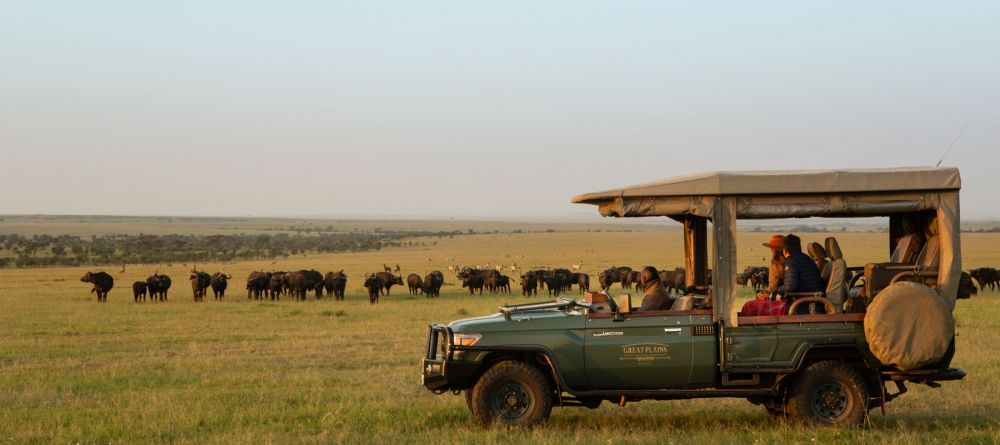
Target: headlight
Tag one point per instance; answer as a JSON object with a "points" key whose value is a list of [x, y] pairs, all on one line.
{"points": [[462, 339]]}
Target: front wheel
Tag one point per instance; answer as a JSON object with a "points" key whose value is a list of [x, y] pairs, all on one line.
{"points": [[829, 393], [511, 394]]}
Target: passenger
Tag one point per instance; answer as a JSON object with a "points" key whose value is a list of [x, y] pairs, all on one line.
{"points": [[776, 270], [654, 296], [801, 273]]}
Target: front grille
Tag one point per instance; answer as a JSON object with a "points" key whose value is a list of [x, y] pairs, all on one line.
{"points": [[704, 329]]}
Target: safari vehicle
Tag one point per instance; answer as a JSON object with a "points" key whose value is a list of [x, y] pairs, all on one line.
{"points": [[822, 363]]}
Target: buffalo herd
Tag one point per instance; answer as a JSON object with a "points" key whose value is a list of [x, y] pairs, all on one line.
{"points": [[297, 284]]}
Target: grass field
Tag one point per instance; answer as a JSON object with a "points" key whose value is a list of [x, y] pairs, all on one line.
{"points": [[239, 371]]}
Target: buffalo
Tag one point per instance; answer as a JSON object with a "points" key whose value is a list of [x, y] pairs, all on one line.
{"points": [[199, 284], [966, 288], [529, 284], [582, 280], [220, 282], [673, 280], [415, 283], [556, 283], [335, 283], [607, 278], [158, 286], [487, 277], [388, 280], [257, 284], [432, 283], [102, 281], [139, 291], [277, 285], [314, 282], [473, 282], [503, 284], [625, 277], [986, 277], [374, 286]]}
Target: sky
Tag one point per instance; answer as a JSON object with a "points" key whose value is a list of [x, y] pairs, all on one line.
{"points": [[475, 109]]}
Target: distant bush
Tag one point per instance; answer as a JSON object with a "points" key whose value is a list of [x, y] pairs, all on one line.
{"points": [[65, 250]]}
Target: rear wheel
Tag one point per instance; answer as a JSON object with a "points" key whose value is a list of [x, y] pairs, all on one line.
{"points": [[828, 393], [512, 394]]}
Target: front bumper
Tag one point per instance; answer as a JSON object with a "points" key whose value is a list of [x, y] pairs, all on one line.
{"points": [[440, 372]]}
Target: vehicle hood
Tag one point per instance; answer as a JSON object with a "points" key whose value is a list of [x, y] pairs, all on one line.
{"points": [[524, 321]]}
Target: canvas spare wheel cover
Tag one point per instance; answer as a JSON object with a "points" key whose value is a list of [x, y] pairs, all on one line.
{"points": [[909, 326]]}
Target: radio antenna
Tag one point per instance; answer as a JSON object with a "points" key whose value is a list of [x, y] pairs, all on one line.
{"points": [[953, 144]]}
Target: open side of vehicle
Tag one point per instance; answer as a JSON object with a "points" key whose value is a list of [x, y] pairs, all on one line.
{"points": [[825, 361]]}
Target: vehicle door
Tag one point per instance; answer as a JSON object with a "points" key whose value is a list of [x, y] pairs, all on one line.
{"points": [[651, 350]]}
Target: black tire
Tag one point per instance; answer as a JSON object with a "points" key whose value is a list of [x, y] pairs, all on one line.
{"points": [[828, 393], [511, 394]]}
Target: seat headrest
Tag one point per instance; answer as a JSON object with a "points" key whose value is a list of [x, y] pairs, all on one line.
{"points": [[930, 257], [833, 248], [816, 251]]}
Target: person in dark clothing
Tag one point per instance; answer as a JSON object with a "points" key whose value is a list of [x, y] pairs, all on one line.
{"points": [[655, 297], [801, 273]]}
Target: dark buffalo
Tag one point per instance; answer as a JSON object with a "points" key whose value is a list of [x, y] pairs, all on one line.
{"points": [[102, 284], [415, 283], [335, 283], [625, 276], [556, 283], [158, 287], [529, 284], [374, 286], [966, 288], [277, 285], [199, 284], [673, 280], [388, 280], [220, 282], [488, 277], [432, 284], [473, 282], [298, 284], [314, 282], [986, 277], [607, 278], [257, 284], [139, 291], [503, 284], [582, 280]]}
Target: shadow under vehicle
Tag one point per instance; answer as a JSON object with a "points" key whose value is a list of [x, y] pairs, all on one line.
{"points": [[829, 359]]}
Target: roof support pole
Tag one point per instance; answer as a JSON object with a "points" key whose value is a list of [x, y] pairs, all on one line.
{"points": [[695, 251]]}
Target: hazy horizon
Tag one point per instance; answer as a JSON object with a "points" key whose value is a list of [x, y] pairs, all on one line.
{"points": [[473, 110]]}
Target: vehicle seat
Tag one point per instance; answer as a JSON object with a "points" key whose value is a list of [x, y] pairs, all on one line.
{"points": [[907, 249], [836, 284], [684, 303], [930, 256], [818, 254]]}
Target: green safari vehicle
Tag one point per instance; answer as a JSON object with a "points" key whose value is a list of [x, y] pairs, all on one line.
{"points": [[828, 361]]}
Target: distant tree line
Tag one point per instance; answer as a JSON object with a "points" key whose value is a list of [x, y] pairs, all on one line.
{"points": [[65, 250], [993, 230]]}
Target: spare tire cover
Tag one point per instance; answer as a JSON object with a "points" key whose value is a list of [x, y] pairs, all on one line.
{"points": [[909, 326]]}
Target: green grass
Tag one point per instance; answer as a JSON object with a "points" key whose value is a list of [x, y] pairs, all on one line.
{"points": [[239, 371]]}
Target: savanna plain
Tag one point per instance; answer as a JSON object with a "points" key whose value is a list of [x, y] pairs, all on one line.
{"points": [[248, 371]]}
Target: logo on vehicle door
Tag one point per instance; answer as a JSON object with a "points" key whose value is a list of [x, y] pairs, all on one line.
{"points": [[645, 352], [609, 334]]}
